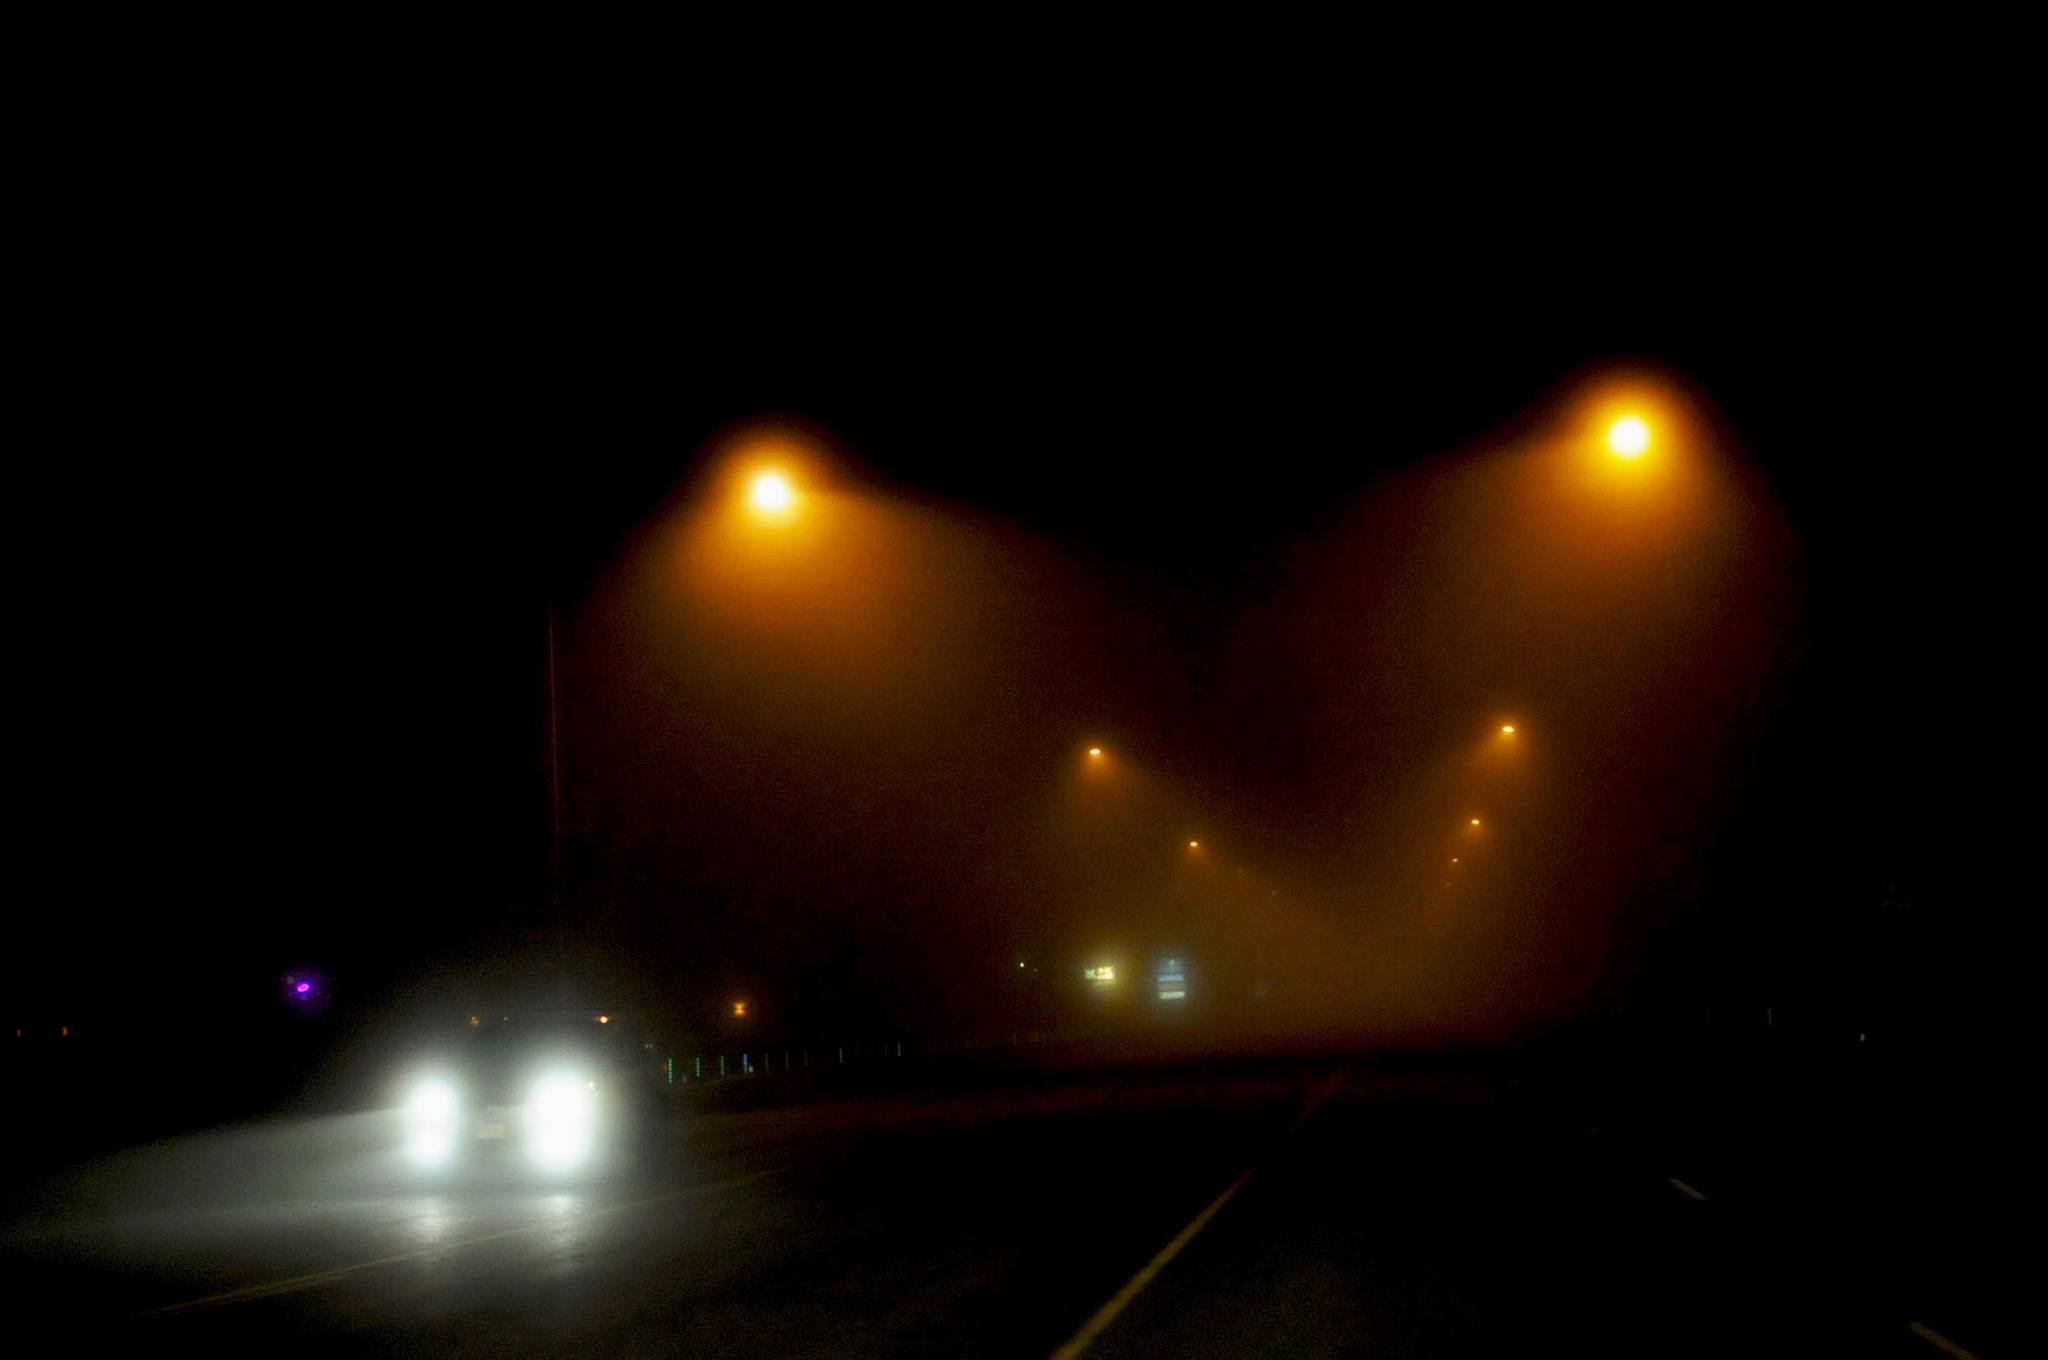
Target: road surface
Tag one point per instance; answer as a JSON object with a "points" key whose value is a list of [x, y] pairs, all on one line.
{"points": [[1313, 1208]]}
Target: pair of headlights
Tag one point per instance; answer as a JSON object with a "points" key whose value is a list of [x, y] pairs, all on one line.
{"points": [[558, 1122]]}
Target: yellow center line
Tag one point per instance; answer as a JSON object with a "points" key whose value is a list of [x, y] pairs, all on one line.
{"points": [[1135, 1286], [315, 1279], [1938, 1341]]}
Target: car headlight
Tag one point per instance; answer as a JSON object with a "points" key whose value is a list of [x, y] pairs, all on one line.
{"points": [[561, 1121], [431, 1111]]}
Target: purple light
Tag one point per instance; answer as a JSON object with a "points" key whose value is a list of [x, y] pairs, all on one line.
{"points": [[303, 988]]}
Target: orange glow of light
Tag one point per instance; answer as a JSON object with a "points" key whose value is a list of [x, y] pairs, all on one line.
{"points": [[1194, 845], [771, 495], [604, 1019], [1475, 821], [1628, 437], [1507, 729], [1095, 753], [739, 1008]]}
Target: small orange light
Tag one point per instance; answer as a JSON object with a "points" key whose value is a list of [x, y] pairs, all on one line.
{"points": [[1475, 821], [739, 1008], [1507, 729], [1194, 845], [1095, 751], [604, 1019]]}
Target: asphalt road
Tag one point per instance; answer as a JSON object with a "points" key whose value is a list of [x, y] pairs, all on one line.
{"points": [[1284, 1209]]}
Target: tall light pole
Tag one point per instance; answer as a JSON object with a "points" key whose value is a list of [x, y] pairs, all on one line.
{"points": [[554, 786]]}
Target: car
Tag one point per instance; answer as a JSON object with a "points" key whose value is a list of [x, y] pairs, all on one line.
{"points": [[547, 1093]]}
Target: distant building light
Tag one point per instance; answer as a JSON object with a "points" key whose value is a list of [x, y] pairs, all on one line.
{"points": [[739, 1008], [1105, 973], [475, 1020], [604, 1019], [65, 1031], [1176, 994], [1173, 981]]}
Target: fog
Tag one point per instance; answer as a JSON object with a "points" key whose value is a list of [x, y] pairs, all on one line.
{"points": [[839, 764]]}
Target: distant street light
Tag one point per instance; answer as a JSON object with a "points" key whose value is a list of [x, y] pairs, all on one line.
{"points": [[1628, 437], [1095, 753], [1475, 821], [1194, 845], [739, 1009], [1507, 729]]}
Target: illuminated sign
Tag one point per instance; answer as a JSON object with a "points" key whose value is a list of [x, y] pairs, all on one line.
{"points": [[1102, 974], [1173, 983]]}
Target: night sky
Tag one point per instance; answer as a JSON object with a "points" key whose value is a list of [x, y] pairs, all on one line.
{"points": [[285, 562]]}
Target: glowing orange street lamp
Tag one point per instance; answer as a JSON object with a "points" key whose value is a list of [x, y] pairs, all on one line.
{"points": [[1194, 845], [739, 1009], [1475, 821], [1628, 437], [771, 495], [1095, 753], [1507, 729]]}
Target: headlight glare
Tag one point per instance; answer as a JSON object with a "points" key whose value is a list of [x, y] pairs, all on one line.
{"points": [[431, 1112], [561, 1121]]}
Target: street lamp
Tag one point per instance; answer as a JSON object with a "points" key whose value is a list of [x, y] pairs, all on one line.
{"points": [[1628, 437], [771, 495]]}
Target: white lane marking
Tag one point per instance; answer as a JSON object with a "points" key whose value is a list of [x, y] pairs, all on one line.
{"points": [[1135, 1286], [314, 1279], [1938, 1341], [1674, 1181]]}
